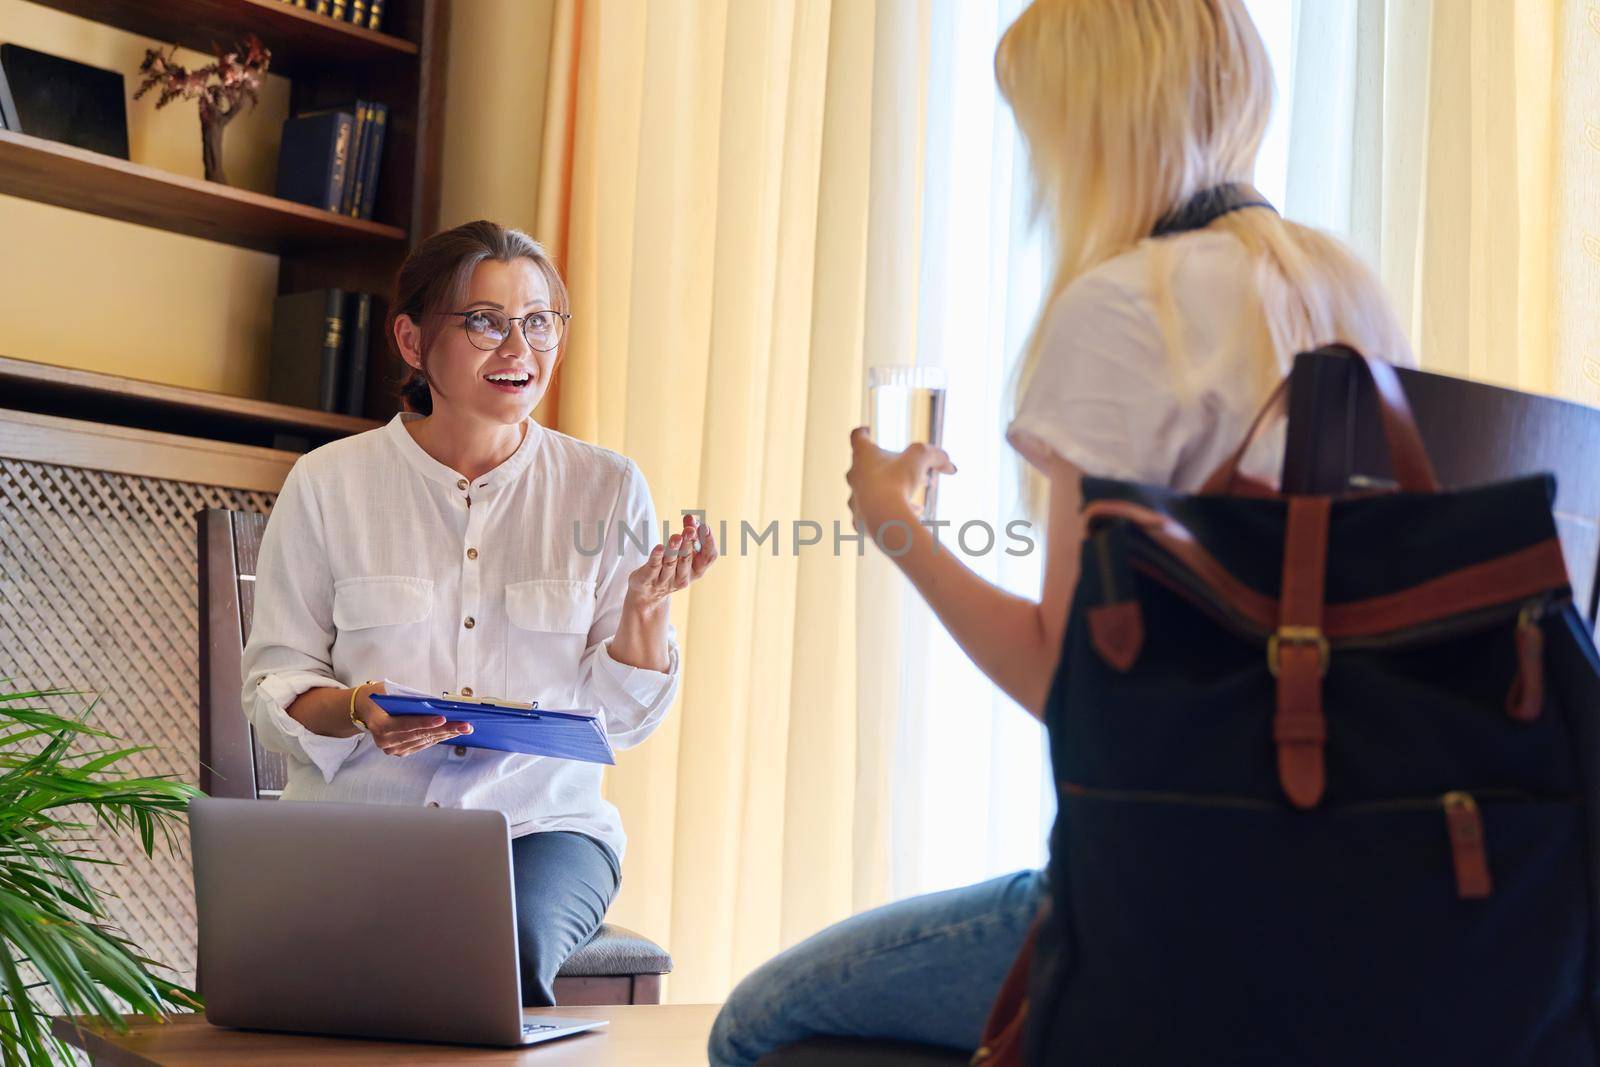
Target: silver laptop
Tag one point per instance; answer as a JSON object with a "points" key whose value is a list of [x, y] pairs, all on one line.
{"points": [[367, 920]]}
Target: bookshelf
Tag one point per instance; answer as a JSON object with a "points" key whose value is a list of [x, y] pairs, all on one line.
{"points": [[328, 64], [70, 177], [108, 398], [300, 41]]}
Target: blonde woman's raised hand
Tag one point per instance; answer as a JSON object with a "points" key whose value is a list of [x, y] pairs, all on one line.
{"points": [[884, 484]]}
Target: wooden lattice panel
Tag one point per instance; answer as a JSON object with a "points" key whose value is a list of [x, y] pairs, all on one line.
{"points": [[98, 593]]}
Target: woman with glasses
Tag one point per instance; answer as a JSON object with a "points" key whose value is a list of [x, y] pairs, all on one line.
{"points": [[464, 548]]}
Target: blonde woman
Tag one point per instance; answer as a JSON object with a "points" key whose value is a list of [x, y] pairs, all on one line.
{"points": [[1177, 300]]}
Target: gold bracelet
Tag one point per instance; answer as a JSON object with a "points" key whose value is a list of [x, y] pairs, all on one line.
{"points": [[359, 725]]}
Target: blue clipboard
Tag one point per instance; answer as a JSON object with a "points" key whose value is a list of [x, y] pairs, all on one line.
{"points": [[535, 732]]}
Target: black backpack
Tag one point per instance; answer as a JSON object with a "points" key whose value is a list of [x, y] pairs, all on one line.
{"points": [[1327, 780]]}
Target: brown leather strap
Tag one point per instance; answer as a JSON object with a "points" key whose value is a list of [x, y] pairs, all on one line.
{"points": [[1002, 1034], [1526, 699], [1117, 633], [1225, 480], [1520, 575], [1524, 574], [1407, 454], [1302, 653], [1468, 853], [1178, 542]]}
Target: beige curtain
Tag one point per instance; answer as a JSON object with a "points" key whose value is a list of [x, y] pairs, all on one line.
{"points": [[1510, 192], [1474, 181], [735, 236]]}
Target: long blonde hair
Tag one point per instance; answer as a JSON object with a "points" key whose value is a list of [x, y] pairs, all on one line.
{"points": [[1128, 109]]}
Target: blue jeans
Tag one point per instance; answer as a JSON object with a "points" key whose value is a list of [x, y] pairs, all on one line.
{"points": [[925, 969], [564, 883]]}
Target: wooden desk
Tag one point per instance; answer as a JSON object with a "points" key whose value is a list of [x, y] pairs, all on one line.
{"points": [[640, 1035]]}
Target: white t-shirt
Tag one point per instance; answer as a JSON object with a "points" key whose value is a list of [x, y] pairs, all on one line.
{"points": [[1110, 397]]}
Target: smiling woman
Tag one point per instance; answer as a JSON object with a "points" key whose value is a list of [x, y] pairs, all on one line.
{"points": [[437, 552], [478, 279]]}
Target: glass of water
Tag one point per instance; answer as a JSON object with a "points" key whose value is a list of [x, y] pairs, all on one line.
{"points": [[905, 404]]}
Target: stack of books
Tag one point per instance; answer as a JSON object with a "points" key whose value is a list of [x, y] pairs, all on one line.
{"points": [[331, 158], [367, 14], [320, 345]]}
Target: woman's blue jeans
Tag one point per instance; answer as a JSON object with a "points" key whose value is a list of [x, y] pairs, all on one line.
{"points": [[925, 969], [564, 883]]}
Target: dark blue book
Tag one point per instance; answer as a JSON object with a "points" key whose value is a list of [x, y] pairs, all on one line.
{"points": [[350, 203], [358, 159], [353, 377], [314, 158], [374, 158]]}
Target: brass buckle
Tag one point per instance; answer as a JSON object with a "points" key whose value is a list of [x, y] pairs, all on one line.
{"points": [[1297, 635]]}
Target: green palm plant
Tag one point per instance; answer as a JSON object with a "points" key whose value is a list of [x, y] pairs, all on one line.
{"points": [[58, 784]]}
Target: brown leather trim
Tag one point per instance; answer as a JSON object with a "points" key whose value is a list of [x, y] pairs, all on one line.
{"points": [[1117, 633], [1298, 726], [1002, 1033], [1539, 568], [1243, 485], [1407, 454], [1179, 543], [1526, 699], [1226, 478], [1305, 561], [1412, 468], [1518, 575], [1468, 853]]}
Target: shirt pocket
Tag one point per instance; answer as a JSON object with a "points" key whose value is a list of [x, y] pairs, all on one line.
{"points": [[547, 638], [551, 605], [382, 629], [362, 603]]}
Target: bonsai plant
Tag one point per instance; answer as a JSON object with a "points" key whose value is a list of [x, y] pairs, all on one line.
{"points": [[57, 785], [223, 88]]}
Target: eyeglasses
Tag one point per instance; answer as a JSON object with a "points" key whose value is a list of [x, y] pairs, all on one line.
{"points": [[488, 329]]}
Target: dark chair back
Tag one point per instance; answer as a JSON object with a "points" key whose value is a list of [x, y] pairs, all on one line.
{"points": [[232, 761], [1475, 433]]}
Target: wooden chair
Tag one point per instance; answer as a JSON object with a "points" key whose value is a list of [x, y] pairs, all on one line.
{"points": [[1474, 433], [616, 967]]}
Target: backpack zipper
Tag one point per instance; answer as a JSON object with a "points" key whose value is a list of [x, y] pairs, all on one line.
{"points": [[1498, 794], [1463, 821]]}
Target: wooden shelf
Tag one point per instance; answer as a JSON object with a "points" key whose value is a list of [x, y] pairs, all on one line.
{"points": [[329, 64], [70, 177], [298, 39], [108, 398]]}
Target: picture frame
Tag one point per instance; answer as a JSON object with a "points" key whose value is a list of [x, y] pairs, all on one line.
{"points": [[8, 107], [63, 100]]}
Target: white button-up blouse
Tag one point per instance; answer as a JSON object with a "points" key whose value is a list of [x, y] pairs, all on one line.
{"points": [[378, 561]]}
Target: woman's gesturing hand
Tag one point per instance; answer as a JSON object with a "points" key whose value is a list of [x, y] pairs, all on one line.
{"points": [[671, 567], [401, 735], [883, 484]]}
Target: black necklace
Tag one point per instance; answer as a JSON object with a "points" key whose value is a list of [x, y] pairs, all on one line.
{"points": [[1208, 205]]}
